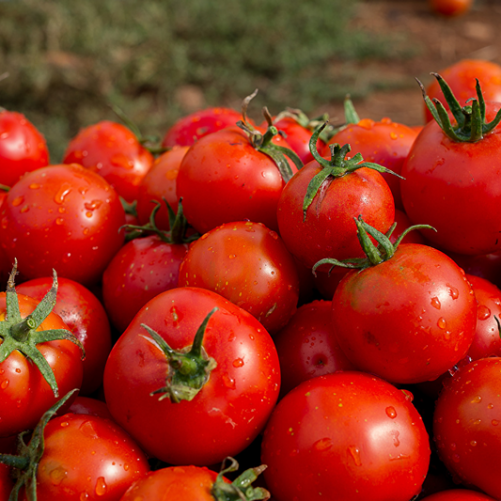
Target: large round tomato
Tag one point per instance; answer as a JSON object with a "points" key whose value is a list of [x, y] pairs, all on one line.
{"points": [[173, 418], [62, 217], [348, 436], [466, 424]]}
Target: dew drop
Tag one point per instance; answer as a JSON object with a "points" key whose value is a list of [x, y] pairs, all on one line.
{"points": [[476, 400], [228, 381], [238, 362], [4, 384], [101, 487], [391, 412], [121, 160], [483, 312], [324, 444], [454, 292], [59, 221], [473, 443], [61, 194], [442, 323], [34, 186], [88, 429], [435, 302], [93, 204], [396, 440], [57, 475], [355, 454], [17, 201], [126, 467], [494, 422]]}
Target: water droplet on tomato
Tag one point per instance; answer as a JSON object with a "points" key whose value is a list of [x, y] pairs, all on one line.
{"points": [[84, 496], [17, 201], [454, 292], [88, 429], [57, 475], [238, 362], [4, 384], [228, 381], [435, 302], [442, 323], [59, 221], [324, 444], [483, 312], [396, 440], [476, 400], [494, 422], [355, 454], [101, 487], [391, 412], [121, 160], [62, 193], [34, 186], [126, 467]]}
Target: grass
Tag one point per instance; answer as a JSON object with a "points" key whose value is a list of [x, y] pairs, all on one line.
{"points": [[158, 60]]}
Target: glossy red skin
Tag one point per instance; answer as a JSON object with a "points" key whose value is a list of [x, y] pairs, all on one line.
{"points": [[466, 424], [113, 151], [187, 130], [223, 178], [458, 495], [486, 266], [22, 147], [329, 229], [179, 483], [450, 8], [90, 406], [140, 270], [383, 142], [307, 346], [230, 410], [487, 340], [346, 436], [159, 183], [87, 457], [25, 395], [248, 264], [440, 175], [62, 217], [6, 482], [461, 78], [408, 319], [85, 317]]}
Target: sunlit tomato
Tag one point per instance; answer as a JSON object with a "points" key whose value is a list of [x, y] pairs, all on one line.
{"points": [[248, 264], [450, 7], [340, 435], [85, 317], [22, 147], [189, 129], [62, 217], [466, 424], [113, 151], [228, 408]]}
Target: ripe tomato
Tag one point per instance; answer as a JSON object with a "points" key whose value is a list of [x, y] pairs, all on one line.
{"points": [[113, 151], [62, 217], [6, 482], [22, 147], [85, 317], [248, 264], [450, 7], [229, 410], [458, 495], [466, 424], [341, 435], [89, 406]]}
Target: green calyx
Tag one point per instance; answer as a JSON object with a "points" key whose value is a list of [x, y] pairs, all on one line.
{"points": [[374, 254], [25, 464], [188, 369], [338, 166], [21, 334], [308, 123], [470, 125], [263, 142], [241, 488]]}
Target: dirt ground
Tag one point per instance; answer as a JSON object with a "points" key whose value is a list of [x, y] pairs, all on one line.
{"points": [[440, 41]]}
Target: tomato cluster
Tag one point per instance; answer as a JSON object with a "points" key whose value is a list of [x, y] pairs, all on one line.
{"points": [[319, 304]]}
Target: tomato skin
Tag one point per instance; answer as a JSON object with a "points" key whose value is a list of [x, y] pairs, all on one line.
{"points": [[441, 174], [24, 393], [223, 178], [62, 203], [90, 406], [85, 317], [229, 411], [6, 482], [22, 147], [113, 151], [466, 424], [248, 264], [329, 229], [87, 457], [140, 270], [458, 495], [450, 7], [340, 435], [408, 319]]}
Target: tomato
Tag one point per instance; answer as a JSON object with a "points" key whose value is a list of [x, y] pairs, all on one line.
{"points": [[113, 151], [224, 177], [159, 184], [6, 482], [307, 346], [189, 129], [458, 495], [461, 78], [85, 317], [89, 406], [62, 204], [184, 423], [248, 264], [450, 7], [347, 435], [22, 147], [466, 424]]}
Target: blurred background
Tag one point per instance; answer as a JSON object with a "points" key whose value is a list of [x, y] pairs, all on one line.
{"points": [[63, 63]]}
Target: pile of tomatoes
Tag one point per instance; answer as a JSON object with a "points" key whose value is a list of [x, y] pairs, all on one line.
{"points": [[289, 310]]}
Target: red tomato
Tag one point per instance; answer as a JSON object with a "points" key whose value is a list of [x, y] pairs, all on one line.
{"points": [[224, 178], [22, 147], [140, 270], [450, 7], [189, 129], [87, 457], [85, 317], [6, 482], [229, 410], [307, 346], [113, 151], [248, 264], [461, 78], [348, 436], [409, 318], [90, 406], [466, 424], [458, 495], [62, 217]]}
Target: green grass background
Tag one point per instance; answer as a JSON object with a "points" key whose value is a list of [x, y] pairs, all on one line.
{"points": [[65, 61]]}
